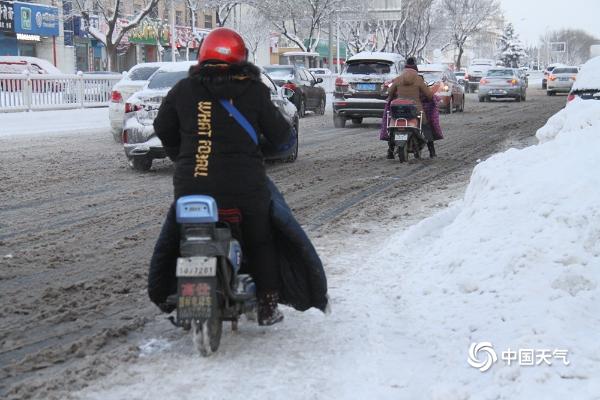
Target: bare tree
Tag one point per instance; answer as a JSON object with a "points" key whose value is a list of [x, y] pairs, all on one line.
{"points": [[111, 11], [255, 29], [223, 9], [467, 17], [412, 32], [577, 43], [300, 19], [193, 6]]}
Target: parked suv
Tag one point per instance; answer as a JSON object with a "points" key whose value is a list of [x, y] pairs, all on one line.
{"points": [[307, 95], [587, 85], [361, 89]]}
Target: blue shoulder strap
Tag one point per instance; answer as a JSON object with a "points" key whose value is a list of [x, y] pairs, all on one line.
{"points": [[237, 115]]}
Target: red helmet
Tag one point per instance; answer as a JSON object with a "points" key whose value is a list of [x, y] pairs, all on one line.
{"points": [[224, 45]]}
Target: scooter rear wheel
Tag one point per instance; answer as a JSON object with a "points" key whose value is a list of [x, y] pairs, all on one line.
{"points": [[206, 335], [403, 153]]}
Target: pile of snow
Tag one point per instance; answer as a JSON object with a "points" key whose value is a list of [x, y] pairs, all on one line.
{"points": [[93, 121], [578, 115], [589, 75], [516, 263]]}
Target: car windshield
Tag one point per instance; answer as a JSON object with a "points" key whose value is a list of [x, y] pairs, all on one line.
{"points": [[163, 79], [565, 71], [368, 68], [142, 73], [500, 73], [279, 72], [432, 76]]}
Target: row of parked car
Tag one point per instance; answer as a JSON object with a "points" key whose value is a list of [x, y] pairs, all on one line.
{"points": [[135, 101]]}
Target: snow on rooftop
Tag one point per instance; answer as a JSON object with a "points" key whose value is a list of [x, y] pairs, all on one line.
{"points": [[177, 66], [589, 75]]}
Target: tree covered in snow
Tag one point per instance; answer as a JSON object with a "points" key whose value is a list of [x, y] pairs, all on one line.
{"points": [[465, 18], [113, 15], [510, 48], [223, 9], [255, 29], [300, 21]]}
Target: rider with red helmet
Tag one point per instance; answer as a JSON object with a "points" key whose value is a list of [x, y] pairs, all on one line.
{"points": [[214, 155]]}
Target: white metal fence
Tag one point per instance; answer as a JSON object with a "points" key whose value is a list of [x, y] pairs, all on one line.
{"points": [[25, 92]]}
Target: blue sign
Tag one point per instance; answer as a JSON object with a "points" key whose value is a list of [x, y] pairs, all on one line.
{"points": [[36, 19]]}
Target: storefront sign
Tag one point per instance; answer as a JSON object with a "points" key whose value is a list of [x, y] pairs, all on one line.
{"points": [[36, 19], [150, 32], [23, 37], [7, 17]]}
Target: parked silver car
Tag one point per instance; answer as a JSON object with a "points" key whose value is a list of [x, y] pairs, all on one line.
{"points": [[141, 144], [502, 83], [132, 81], [561, 80]]}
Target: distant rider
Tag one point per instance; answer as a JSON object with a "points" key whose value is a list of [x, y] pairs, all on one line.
{"points": [[215, 156], [409, 85]]}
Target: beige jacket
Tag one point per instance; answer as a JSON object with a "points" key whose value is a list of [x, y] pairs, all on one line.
{"points": [[409, 85]]}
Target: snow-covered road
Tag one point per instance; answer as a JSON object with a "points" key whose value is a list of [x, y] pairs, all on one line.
{"points": [[79, 227]]}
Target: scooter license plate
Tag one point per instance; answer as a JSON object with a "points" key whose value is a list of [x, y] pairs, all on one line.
{"points": [[196, 266], [401, 137], [196, 298]]}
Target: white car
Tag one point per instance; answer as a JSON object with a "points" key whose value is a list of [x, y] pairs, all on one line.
{"points": [[132, 81], [561, 79], [17, 64], [587, 85], [320, 71]]}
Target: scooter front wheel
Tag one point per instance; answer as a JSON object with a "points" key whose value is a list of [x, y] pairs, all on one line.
{"points": [[206, 335]]}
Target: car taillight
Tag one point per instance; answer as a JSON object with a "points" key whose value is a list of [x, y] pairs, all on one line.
{"points": [[512, 81], [125, 136], [339, 81], [386, 84], [132, 107], [552, 77], [483, 81], [571, 97], [290, 85], [115, 96], [574, 78], [466, 76]]}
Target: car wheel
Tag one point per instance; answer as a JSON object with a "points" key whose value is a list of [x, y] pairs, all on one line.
{"points": [[339, 122], [140, 163], [357, 121], [524, 97], [321, 109], [450, 105], [462, 104], [302, 108]]}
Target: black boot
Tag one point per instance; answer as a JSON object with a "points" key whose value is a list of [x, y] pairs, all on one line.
{"points": [[390, 153], [268, 313], [431, 148]]}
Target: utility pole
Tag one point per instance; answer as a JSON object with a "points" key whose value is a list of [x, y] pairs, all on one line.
{"points": [[173, 47], [330, 44]]}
